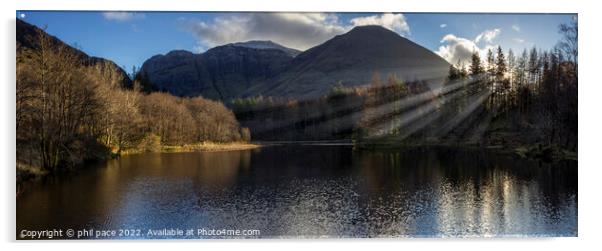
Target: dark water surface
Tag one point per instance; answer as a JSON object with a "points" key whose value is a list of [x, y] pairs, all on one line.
{"points": [[312, 191]]}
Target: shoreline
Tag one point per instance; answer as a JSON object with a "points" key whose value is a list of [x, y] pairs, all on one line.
{"points": [[199, 147], [547, 153], [26, 172]]}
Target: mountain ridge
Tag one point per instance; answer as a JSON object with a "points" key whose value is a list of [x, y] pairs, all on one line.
{"points": [[266, 44], [26, 34], [238, 70], [352, 59], [222, 72]]}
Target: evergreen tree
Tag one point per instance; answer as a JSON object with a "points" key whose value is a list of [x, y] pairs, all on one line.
{"points": [[490, 64], [463, 71], [500, 67], [475, 66], [511, 64], [521, 69], [453, 74], [533, 66]]}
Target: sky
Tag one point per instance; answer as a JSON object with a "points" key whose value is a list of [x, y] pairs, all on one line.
{"points": [[129, 38]]}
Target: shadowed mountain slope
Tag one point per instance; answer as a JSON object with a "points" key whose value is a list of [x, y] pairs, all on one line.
{"points": [[223, 72], [264, 68], [352, 59], [27, 39]]}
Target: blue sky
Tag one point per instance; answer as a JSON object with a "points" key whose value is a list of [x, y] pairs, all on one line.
{"points": [[129, 38]]}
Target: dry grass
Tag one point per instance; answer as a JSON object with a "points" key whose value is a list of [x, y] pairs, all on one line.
{"points": [[210, 147], [200, 147]]}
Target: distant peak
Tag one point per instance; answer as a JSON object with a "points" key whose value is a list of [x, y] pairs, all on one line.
{"points": [[179, 53], [256, 43], [370, 29], [265, 44]]}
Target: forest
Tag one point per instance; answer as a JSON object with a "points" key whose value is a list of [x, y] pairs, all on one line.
{"points": [[519, 101], [335, 116], [508, 101], [69, 112]]}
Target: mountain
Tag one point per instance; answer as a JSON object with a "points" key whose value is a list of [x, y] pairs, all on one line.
{"points": [[223, 72], [352, 59], [258, 44], [265, 68], [27, 35]]}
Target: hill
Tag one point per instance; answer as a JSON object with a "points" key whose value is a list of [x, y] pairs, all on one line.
{"points": [[264, 68], [27, 37]]}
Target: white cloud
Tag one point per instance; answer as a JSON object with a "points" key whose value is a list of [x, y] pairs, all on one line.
{"points": [[396, 22], [516, 28], [519, 40], [122, 16], [457, 49], [295, 30], [443, 25], [488, 35]]}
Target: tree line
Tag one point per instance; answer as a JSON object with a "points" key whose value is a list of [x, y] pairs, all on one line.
{"points": [[503, 99], [68, 111], [334, 116], [533, 94]]}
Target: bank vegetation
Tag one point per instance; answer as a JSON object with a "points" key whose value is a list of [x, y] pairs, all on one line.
{"points": [[70, 111]]}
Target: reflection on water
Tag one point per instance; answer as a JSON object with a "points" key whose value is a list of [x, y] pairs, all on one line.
{"points": [[313, 191]]}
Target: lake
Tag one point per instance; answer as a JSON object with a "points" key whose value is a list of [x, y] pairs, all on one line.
{"points": [[310, 191]]}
